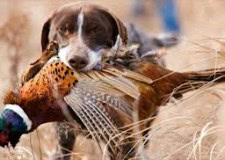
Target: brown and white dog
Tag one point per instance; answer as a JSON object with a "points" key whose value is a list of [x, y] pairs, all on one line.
{"points": [[83, 31]]}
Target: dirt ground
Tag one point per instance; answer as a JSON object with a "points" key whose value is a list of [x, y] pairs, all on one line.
{"points": [[191, 129]]}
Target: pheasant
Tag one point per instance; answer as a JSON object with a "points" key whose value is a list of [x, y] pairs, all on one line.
{"points": [[101, 102]]}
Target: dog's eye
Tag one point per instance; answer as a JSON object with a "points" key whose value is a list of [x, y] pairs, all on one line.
{"points": [[63, 29]]}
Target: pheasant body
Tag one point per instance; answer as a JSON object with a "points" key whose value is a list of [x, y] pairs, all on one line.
{"points": [[103, 102]]}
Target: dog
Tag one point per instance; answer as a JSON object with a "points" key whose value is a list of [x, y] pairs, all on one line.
{"points": [[83, 32]]}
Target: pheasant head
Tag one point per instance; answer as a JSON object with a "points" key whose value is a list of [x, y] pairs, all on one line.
{"points": [[13, 123], [36, 102]]}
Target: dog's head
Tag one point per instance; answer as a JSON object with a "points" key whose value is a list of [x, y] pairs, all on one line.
{"points": [[83, 31]]}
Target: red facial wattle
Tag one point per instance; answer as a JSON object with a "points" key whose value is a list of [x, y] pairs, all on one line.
{"points": [[3, 139]]}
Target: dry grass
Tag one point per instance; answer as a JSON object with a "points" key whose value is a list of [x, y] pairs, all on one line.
{"points": [[191, 129]]}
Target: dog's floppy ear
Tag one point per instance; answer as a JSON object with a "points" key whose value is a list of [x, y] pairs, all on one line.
{"points": [[45, 34], [122, 30]]}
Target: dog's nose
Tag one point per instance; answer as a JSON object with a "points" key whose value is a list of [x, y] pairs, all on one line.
{"points": [[78, 62]]}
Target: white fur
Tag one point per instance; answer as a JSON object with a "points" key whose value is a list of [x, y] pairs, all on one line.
{"points": [[21, 113], [80, 22], [63, 54]]}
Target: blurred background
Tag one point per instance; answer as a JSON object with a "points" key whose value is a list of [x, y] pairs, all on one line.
{"points": [[191, 129]]}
